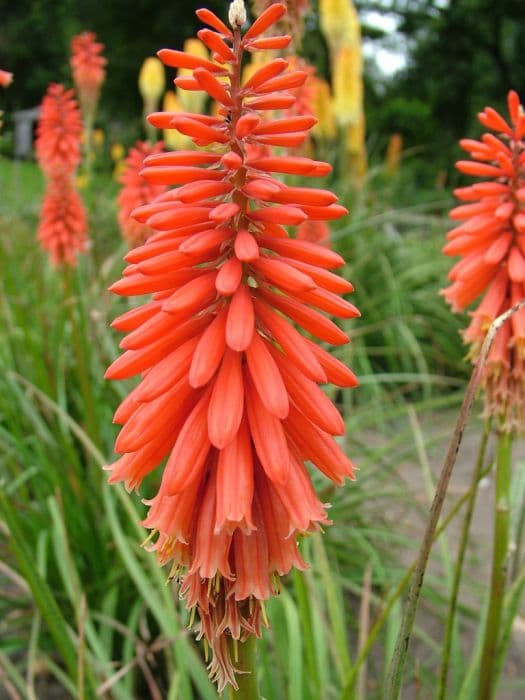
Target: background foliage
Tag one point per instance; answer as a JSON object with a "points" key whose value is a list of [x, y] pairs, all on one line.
{"points": [[462, 54]]}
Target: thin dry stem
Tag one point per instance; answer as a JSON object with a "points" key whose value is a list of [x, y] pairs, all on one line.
{"points": [[364, 628], [395, 675]]}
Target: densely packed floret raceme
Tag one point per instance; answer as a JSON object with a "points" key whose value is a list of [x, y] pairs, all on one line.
{"points": [[88, 68], [62, 230], [136, 191], [58, 132], [6, 78], [491, 243], [229, 391]]}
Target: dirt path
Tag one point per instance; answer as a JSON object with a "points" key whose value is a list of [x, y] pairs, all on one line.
{"points": [[478, 561]]}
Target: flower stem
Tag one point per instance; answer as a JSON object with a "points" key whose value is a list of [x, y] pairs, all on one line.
{"points": [[395, 675], [87, 146], [393, 596], [247, 679], [81, 359], [519, 541], [467, 520], [499, 566]]}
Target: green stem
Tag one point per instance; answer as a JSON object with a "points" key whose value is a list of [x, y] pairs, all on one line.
{"points": [[499, 566], [519, 541], [395, 674], [151, 131], [247, 679], [351, 678], [81, 360], [451, 616], [88, 145]]}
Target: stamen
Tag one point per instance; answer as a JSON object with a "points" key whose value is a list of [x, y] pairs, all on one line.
{"points": [[149, 537], [175, 568], [263, 612]]}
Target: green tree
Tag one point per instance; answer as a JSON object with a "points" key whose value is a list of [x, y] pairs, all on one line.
{"points": [[35, 37], [462, 55]]}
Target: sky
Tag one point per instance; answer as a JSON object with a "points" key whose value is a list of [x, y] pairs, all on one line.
{"points": [[388, 53]]}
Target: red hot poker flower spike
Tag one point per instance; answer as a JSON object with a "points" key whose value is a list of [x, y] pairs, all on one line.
{"points": [[58, 132], [315, 231], [88, 68], [491, 242], [229, 391], [62, 231], [135, 192], [6, 78]]}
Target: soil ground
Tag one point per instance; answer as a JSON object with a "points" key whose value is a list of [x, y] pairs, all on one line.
{"points": [[476, 577]]}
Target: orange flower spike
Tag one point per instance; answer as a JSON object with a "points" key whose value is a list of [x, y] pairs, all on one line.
{"points": [[314, 231], [6, 78], [490, 241], [58, 132], [135, 192], [230, 393], [88, 68], [62, 230]]}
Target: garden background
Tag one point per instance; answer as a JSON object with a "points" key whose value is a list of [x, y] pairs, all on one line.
{"points": [[84, 610]]}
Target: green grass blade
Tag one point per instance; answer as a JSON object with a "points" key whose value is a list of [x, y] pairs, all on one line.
{"points": [[43, 596]]}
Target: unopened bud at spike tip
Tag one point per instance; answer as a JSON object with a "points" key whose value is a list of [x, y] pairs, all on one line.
{"points": [[237, 14]]}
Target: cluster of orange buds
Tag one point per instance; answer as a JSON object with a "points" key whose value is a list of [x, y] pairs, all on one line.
{"points": [[296, 11], [6, 78], [62, 231], [491, 242], [393, 154], [88, 68], [135, 192], [230, 389]]}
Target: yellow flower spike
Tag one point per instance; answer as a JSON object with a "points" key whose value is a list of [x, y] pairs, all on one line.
{"points": [[82, 181], [348, 86], [195, 47], [393, 154], [192, 100], [117, 151], [356, 149], [98, 138], [326, 127], [172, 138], [119, 168], [152, 81], [339, 23], [355, 136]]}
